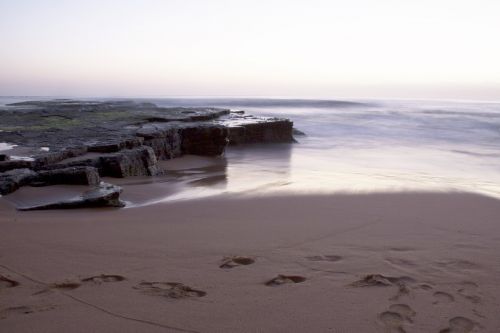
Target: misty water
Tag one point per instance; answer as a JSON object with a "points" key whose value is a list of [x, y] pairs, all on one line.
{"points": [[349, 146], [363, 146]]}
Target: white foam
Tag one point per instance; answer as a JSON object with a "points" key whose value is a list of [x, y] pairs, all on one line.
{"points": [[22, 158], [6, 146]]}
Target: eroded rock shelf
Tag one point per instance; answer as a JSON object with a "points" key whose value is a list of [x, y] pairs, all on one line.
{"points": [[77, 142]]}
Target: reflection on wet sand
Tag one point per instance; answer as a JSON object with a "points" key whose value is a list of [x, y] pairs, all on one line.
{"points": [[186, 177], [243, 169]]}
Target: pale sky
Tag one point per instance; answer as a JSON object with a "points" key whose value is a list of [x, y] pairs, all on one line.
{"points": [[314, 48]]}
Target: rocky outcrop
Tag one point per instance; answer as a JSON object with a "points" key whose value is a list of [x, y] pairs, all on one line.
{"points": [[252, 130], [164, 140], [11, 180], [77, 142], [106, 195], [115, 146], [82, 175], [50, 158], [139, 161], [16, 164], [173, 140], [208, 140]]}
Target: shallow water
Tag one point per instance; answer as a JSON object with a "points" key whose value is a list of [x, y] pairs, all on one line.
{"points": [[371, 146], [360, 146]]}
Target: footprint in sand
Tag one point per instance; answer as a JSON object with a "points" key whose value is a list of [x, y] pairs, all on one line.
{"points": [[425, 286], [5, 282], [331, 258], [103, 278], [173, 290], [65, 286], [470, 290], [235, 261], [442, 297], [23, 310], [15, 310], [396, 317], [404, 311], [459, 325], [285, 279], [393, 321], [378, 280]]}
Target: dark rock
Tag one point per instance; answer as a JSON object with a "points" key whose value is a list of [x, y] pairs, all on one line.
{"points": [[111, 126], [298, 132], [166, 142], [252, 130], [16, 164], [11, 180], [208, 140], [114, 146], [176, 139], [212, 114], [72, 176], [139, 161], [129, 162], [55, 157], [4, 157], [106, 195], [125, 138]]}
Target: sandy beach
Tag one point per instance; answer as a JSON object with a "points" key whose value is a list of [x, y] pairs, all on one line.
{"points": [[249, 166], [399, 262]]}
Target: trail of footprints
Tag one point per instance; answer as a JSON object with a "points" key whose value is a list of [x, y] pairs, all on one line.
{"points": [[398, 316], [395, 319]]}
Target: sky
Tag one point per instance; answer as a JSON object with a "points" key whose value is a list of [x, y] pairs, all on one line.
{"points": [[445, 49]]}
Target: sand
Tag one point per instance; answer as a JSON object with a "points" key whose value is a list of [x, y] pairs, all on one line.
{"points": [[399, 262]]}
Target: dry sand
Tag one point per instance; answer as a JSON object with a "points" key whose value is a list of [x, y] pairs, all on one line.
{"points": [[437, 255]]}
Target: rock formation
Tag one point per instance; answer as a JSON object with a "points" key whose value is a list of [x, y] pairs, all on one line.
{"points": [[77, 142], [105, 195]]}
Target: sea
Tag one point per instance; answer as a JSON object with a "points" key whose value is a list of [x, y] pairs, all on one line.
{"points": [[349, 146]]}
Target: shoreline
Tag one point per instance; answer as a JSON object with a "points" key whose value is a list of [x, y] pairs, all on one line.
{"points": [[442, 247]]}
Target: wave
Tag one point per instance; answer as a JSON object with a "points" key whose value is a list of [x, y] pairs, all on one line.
{"points": [[260, 102]]}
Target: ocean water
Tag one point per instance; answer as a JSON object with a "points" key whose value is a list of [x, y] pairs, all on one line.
{"points": [[368, 145], [353, 146]]}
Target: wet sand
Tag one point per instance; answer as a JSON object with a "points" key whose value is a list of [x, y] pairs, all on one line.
{"points": [[399, 262]]}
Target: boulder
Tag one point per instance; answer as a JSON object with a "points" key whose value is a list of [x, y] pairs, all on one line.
{"points": [[11, 180], [106, 195], [4, 157], [82, 175]]}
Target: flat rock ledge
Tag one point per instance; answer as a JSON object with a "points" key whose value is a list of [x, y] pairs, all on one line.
{"points": [[12, 180], [77, 142], [105, 195]]}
